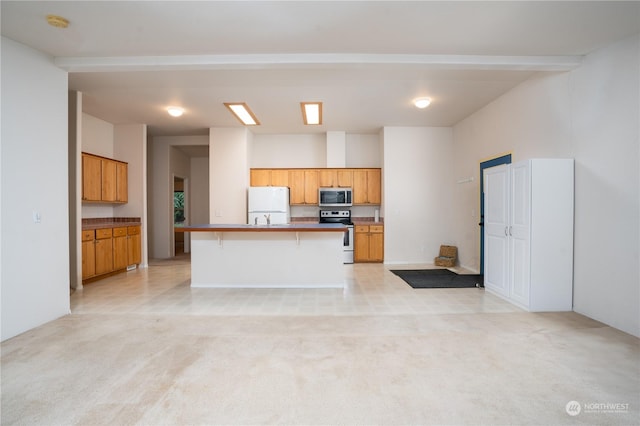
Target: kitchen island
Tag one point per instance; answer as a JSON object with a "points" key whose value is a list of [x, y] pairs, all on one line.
{"points": [[267, 256]]}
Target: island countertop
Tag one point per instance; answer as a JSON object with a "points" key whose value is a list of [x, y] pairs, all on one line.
{"points": [[294, 227]]}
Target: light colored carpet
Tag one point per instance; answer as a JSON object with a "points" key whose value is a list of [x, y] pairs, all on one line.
{"points": [[481, 368]]}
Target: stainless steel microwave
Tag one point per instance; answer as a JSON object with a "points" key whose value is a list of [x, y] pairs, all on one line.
{"points": [[335, 197]]}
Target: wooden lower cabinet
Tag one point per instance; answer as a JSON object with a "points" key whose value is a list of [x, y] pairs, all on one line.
{"points": [[134, 248], [120, 248], [88, 254], [104, 251], [369, 243], [109, 250]]}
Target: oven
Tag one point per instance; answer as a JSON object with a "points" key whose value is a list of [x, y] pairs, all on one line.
{"points": [[344, 217]]}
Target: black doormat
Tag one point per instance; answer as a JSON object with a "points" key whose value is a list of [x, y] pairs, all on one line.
{"points": [[438, 278]]}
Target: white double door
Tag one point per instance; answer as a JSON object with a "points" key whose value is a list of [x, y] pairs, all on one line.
{"points": [[507, 228]]}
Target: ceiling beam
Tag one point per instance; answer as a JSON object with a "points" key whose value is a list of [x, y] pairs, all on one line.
{"points": [[289, 61]]}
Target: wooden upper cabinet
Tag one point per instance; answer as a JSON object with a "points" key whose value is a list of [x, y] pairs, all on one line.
{"points": [[296, 186], [269, 177], [303, 186], [374, 186], [311, 187], [367, 186], [91, 178], [327, 178], [304, 183], [104, 180], [122, 180], [280, 177], [260, 177], [345, 178], [108, 180], [342, 178]]}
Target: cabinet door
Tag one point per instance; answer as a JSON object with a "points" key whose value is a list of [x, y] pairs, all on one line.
{"points": [[496, 222], [260, 177], [374, 186], [296, 186], [122, 178], [345, 178], [311, 187], [120, 256], [88, 254], [91, 178], [279, 177], [519, 241], [361, 243], [327, 178], [104, 251], [108, 180], [134, 249], [360, 187], [376, 243], [119, 248]]}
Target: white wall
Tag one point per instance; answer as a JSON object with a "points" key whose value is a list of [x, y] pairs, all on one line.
{"points": [[273, 151], [130, 145], [160, 190], [199, 201], [363, 150], [34, 259], [228, 174], [590, 114], [418, 182]]}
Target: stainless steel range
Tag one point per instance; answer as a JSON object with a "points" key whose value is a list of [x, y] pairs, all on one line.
{"points": [[344, 217]]}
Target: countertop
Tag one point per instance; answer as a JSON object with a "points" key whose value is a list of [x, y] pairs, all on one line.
{"points": [[109, 222], [294, 227]]}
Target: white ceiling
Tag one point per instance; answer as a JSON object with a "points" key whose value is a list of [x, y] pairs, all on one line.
{"points": [[365, 60]]}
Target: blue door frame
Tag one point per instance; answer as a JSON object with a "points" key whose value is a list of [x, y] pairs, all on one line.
{"points": [[505, 159]]}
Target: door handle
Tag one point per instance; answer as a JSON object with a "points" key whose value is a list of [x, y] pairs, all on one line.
{"points": [[510, 234], [506, 233]]}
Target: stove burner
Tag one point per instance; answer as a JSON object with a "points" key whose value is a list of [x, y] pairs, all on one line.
{"points": [[336, 216]]}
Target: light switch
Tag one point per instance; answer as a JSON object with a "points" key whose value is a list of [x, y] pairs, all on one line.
{"points": [[37, 218]]}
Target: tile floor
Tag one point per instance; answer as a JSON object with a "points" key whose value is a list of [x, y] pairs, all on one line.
{"points": [[371, 289], [144, 348]]}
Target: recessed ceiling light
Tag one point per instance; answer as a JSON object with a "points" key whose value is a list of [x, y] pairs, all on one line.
{"points": [[311, 112], [175, 111], [57, 21], [243, 113], [422, 102]]}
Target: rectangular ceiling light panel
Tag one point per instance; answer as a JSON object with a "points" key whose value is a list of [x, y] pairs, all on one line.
{"points": [[311, 112], [243, 113]]}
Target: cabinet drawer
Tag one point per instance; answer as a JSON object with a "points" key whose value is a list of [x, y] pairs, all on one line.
{"points": [[88, 235], [378, 229], [133, 230], [103, 233], [361, 228], [119, 232]]}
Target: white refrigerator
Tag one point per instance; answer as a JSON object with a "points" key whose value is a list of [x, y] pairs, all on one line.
{"points": [[268, 205]]}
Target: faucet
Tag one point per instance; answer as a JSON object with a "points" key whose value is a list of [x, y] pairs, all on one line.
{"points": [[268, 217]]}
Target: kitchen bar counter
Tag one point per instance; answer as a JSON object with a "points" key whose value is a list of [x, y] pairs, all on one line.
{"points": [[267, 256], [295, 227]]}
